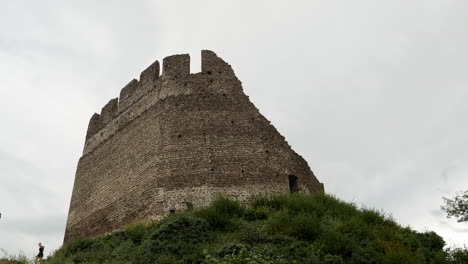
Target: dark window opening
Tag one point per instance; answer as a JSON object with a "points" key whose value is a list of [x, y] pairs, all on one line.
{"points": [[293, 186]]}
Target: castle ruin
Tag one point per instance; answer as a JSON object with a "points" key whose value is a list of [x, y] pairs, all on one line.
{"points": [[174, 139]]}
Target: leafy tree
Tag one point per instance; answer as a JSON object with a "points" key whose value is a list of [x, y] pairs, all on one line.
{"points": [[457, 207]]}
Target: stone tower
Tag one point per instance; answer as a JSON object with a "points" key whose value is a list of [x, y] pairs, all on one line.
{"points": [[177, 138]]}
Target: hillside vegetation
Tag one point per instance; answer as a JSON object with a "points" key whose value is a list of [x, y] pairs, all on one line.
{"points": [[285, 229]]}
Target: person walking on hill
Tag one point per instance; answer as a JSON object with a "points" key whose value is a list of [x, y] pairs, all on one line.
{"points": [[41, 252]]}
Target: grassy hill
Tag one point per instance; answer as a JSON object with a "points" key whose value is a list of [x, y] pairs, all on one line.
{"points": [[281, 229]]}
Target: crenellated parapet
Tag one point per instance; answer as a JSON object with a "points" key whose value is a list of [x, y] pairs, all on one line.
{"points": [[173, 138], [216, 76]]}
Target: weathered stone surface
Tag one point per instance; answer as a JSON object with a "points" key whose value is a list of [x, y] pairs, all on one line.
{"points": [[176, 139]]}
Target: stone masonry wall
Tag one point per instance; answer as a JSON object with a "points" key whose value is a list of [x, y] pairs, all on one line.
{"points": [[178, 138]]}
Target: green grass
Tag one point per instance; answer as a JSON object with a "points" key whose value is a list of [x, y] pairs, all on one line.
{"points": [[13, 259], [297, 228]]}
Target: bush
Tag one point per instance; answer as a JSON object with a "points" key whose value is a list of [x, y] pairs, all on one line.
{"points": [[79, 245], [253, 233], [215, 218], [458, 255], [258, 213], [431, 240], [228, 207], [221, 213], [13, 259], [136, 231], [278, 229], [279, 222], [305, 227], [180, 228]]}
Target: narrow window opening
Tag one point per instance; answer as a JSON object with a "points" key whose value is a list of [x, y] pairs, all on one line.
{"points": [[293, 186]]}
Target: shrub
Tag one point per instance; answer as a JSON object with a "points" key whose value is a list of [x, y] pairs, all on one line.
{"points": [[221, 213], [253, 233], [458, 255], [136, 231], [337, 243], [180, 228], [215, 218], [229, 207], [279, 222], [258, 213], [306, 227], [244, 256], [279, 229], [431, 240], [79, 245], [20, 258], [275, 202], [230, 249]]}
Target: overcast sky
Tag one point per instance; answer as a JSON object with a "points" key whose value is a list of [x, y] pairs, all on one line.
{"points": [[372, 93]]}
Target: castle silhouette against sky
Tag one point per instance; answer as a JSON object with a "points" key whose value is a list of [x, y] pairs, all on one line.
{"points": [[177, 139]]}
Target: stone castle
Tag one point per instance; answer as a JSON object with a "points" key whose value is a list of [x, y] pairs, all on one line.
{"points": [[175, 139]]}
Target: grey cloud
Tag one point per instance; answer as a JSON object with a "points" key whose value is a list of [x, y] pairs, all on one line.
{"points": [[38, 226], [372, 94], [454, 228]]}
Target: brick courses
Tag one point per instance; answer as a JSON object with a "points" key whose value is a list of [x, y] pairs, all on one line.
{"points": [[178, 138]]}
